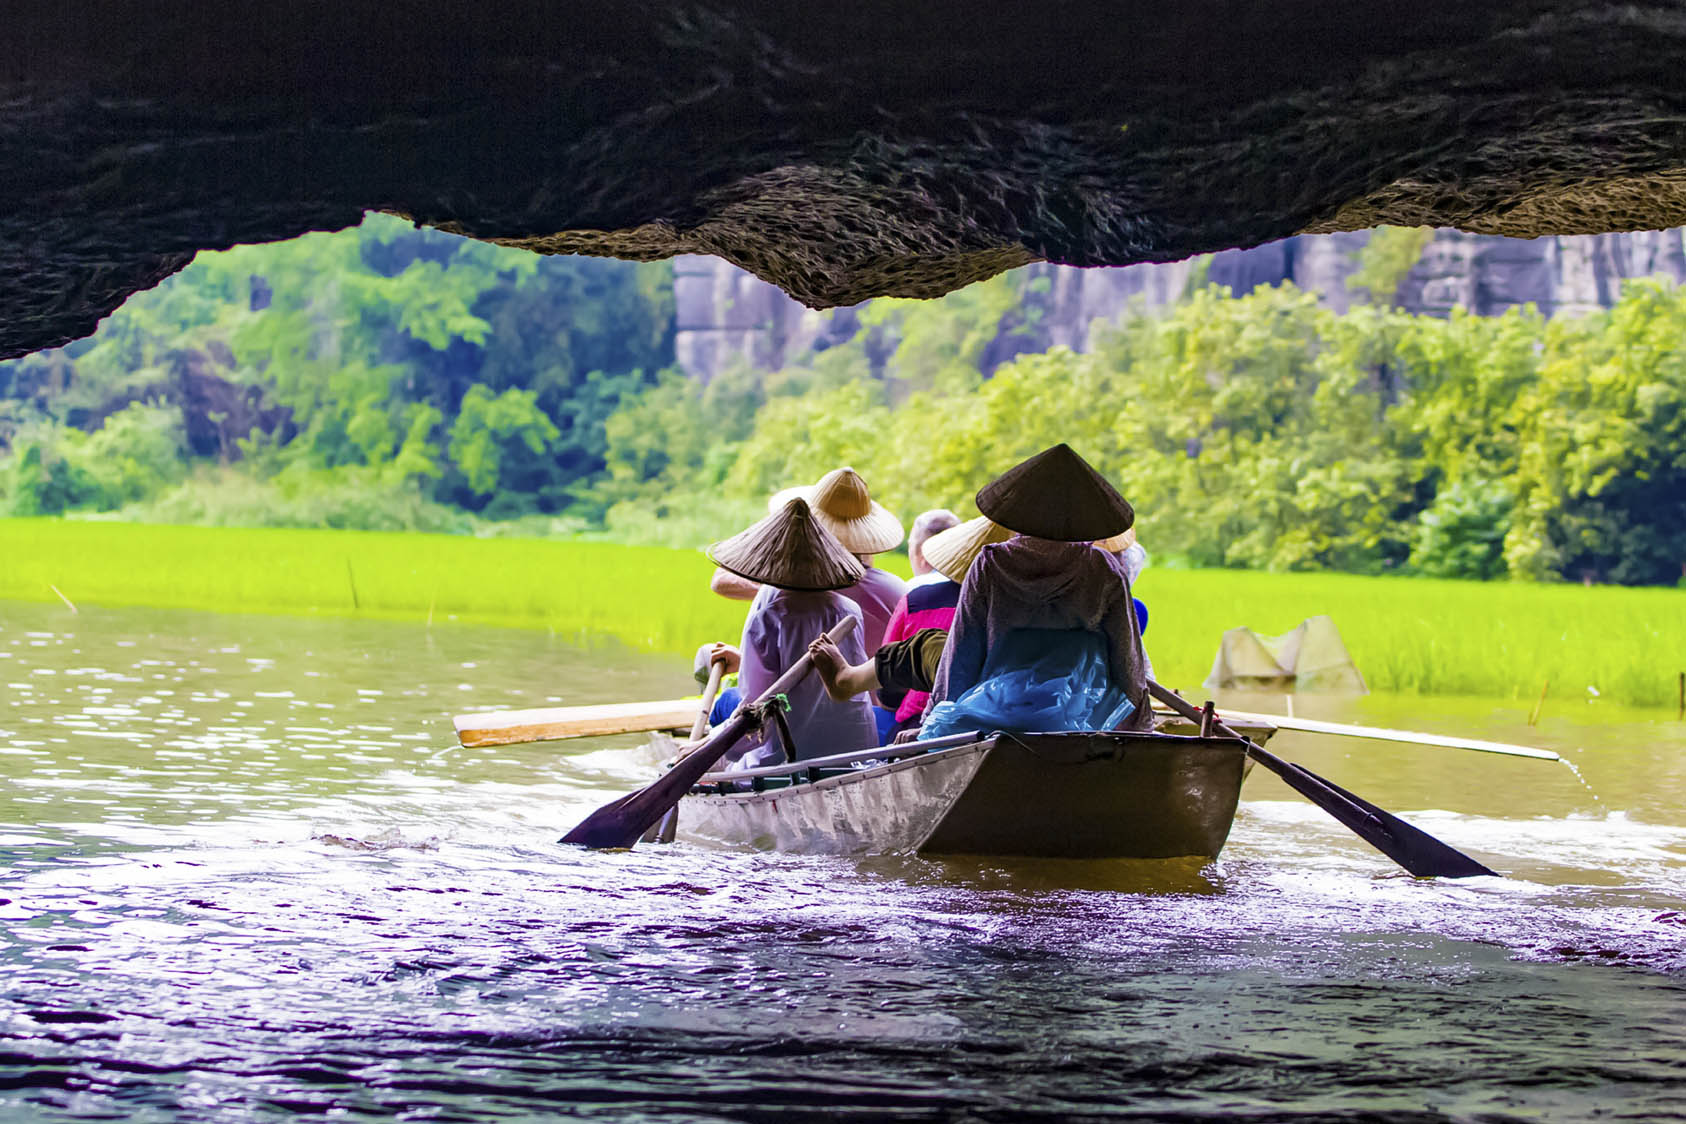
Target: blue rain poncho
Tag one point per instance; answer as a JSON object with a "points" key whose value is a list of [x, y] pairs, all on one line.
{"points": [[1040, 585], [1037, 681]]}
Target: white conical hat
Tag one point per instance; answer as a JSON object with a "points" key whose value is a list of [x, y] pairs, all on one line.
{"points": [[789, 549], [842, 503], [951, 552]]}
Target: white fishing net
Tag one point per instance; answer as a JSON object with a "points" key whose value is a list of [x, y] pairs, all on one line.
{"points": [[1310, 658]]}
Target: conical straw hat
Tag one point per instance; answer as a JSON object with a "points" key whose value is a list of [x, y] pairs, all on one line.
{"points": [[1056, 495], [842, 503], [951, 552], [1118, 542], [791, 550]]}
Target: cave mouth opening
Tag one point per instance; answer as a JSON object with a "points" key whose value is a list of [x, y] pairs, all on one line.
{"points": [[837, 153]]}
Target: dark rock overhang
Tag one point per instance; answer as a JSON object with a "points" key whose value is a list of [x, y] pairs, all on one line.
{"points": [[841, 151]]}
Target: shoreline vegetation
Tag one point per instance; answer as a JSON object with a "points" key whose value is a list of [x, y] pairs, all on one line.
{"points": [[386, 378], [1408, 635]]}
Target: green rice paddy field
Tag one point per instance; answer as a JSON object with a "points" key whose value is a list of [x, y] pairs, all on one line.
{"points": [[1502, 640]]}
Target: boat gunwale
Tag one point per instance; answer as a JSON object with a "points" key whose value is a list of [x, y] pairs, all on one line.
{"points": [[916, 749], [853, 776], [904, 750], [911, 760]]}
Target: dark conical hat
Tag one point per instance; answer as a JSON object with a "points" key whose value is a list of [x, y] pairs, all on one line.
{"points": [[791, 550], [1056, 495]]}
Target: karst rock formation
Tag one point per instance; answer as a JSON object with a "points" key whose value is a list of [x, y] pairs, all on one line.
{"points": [[725, 315], [838, 151]]}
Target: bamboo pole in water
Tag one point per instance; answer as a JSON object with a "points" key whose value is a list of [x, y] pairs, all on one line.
{"points": [[1534, 715]]}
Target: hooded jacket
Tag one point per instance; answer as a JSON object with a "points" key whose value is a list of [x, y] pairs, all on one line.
{"points": [[1042, 584]]}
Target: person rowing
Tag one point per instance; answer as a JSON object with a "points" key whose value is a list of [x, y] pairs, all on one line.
{"points": [[841, 503], [800, 567], [1042, 595], [908, 663]]}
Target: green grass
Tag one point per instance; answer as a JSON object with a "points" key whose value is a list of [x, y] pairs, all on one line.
{"points": [[649, 597], [1407, 635], [1417, 635]]}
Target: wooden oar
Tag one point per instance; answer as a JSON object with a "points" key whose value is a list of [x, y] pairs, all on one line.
{"points": [[716, 672], [664, 829], [552, 723], [1412, 848], [1381, 734], [621, 822]]}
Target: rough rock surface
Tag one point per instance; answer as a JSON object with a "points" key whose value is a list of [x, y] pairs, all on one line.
{"points": [[1560, 275], [727, 315], [839, 151]]}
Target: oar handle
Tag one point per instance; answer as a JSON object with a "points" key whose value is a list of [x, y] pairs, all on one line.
{"points": [[1257, 752], [716, 672], [1189, 711]]}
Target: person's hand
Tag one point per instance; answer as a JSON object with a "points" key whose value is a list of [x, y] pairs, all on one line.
{"points": [[727, 654], [904, 736]]}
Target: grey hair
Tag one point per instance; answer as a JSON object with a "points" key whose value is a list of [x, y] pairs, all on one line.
{"points": [[928, 523]]}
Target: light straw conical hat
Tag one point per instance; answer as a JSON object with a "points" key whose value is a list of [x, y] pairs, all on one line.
{"points": [[1056, 495], [841, 501], [1118, 542], [951, 552], [789, 549]]}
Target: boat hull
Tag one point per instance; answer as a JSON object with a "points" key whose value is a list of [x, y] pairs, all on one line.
{"points": [[1080, 795]]}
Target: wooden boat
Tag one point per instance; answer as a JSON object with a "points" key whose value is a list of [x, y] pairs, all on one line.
{"points": [[1068, 795]]}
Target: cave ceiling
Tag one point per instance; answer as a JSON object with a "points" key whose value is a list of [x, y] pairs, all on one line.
{"points": [[840, 151]]}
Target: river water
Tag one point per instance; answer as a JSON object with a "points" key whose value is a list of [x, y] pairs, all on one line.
{"points": [[247, 875]]}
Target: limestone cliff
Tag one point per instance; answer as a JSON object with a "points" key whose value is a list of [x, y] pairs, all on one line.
{"points": [[726, 314]]}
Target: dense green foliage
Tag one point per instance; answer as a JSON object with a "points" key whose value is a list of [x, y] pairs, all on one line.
{"points": [[380, 377], [1264, 431], [1407, 635], [395, 378]]}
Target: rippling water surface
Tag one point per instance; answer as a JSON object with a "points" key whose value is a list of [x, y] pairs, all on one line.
{"points": [[247, 875]]}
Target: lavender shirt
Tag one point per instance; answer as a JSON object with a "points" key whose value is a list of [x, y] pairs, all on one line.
{"points": [[781, 624], [876, 595]]}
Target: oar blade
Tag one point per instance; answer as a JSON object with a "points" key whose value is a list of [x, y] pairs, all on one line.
{"points": [[609, 826], [1429, 857], [622, 822], [1420, 853], [1412, 848]]}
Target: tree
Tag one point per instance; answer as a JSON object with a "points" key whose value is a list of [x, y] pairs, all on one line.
{"points": [[135, 454], [1601, 482], [355, 350], [1462, 533], [1386, 259], [501, 438]]}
